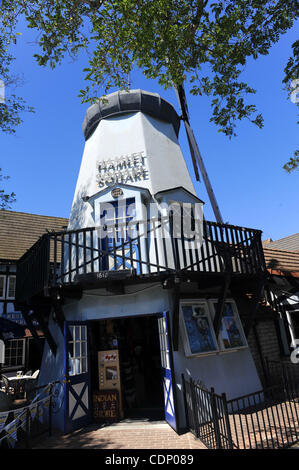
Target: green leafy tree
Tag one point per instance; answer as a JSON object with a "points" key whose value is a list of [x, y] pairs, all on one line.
{"points": [[5, 199], [291, 81], [11, 105], [174, 41]]}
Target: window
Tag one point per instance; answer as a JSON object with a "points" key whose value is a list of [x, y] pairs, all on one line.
{"points": [[294, 317], [78, 350], [163, 343], [2, 286], [118, 214], [119, 217], [11, 287], [231, 332], [15, 353], [198, 331]]}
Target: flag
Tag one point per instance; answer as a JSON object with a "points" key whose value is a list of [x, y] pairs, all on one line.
{"points": [[33, 410], [3, 419], [11, 430], [23, 419], [10, 329]]}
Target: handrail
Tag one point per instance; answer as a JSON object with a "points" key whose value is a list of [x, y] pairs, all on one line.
{"points": [[146, 247]]}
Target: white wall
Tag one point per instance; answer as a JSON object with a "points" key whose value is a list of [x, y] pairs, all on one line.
{"points": [[125, 135], [233, 373]]}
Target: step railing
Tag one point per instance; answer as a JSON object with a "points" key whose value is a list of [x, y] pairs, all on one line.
{"points": [[266, 419]]}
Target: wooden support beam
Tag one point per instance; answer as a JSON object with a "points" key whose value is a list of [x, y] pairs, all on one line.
{"points": [[58, 315], [60, 320], [39, 314], [220, 303], [254, 305], [31, 327], [176, 316]]}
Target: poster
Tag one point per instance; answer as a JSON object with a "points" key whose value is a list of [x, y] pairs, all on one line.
{"points": [[106, 405]]}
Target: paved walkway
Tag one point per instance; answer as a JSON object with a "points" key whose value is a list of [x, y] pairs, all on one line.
{"points": [[124, 435]]}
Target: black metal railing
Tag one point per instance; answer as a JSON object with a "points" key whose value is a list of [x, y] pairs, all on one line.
{"points": [[145, 248], [206, 415], [283, 373], [20, 426], [266, 419]]}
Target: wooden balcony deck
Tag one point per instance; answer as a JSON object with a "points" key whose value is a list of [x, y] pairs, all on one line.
{"points": [[145, 250]]}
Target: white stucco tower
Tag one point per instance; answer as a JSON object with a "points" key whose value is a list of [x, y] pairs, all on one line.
{"points": [[131, 141], [136, 301]]}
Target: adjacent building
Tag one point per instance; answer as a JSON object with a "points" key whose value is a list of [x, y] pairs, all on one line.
{"points": [[282, 261], [18, 231]]}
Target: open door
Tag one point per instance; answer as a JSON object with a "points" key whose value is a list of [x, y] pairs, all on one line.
{"points": [[167, 370], [77, 377]]}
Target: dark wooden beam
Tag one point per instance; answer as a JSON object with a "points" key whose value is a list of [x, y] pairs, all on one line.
{"points": [[31, 327], [39, 314], [254, 305], [220, 303], [58, 315], [176, 315], [60, 320]]}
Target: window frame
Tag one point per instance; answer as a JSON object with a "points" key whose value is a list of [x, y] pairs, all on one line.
{"points": [[3, 297], [119, 222], [210, 308], [7, 287], [185, 337], [75, 360], [237, 318], [8, 365]]}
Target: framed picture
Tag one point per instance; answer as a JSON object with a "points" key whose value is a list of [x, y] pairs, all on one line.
{"points": [[231, 335], [197, 328]]}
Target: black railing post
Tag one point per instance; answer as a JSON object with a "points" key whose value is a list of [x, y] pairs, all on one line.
{"points": [[48, 269], [174, 243], [227, 422], [194, 408], [215, 419], [50, 410], [185, 402], [27, 431]]}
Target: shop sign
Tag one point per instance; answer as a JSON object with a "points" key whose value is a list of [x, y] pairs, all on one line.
{"points": [[127, 169], [106, 405]]}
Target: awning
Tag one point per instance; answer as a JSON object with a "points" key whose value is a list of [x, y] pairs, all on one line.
{"points": [[10, 329], [285, 289]]}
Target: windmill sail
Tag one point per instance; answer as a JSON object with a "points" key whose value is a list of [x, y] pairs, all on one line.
{"points": [[195, 153]]}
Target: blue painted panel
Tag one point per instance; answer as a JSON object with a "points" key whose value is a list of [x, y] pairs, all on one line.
{"points": [[167, 372], [77, 392], [117, 257]]}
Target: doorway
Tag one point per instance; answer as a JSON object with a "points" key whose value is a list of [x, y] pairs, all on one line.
{"points": [[141, 383]]}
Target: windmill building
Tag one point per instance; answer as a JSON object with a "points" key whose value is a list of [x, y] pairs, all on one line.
{"points": [[140, 288]]}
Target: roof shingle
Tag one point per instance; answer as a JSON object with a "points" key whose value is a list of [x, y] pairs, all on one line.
{"points": [[19, 231], [282, 261], [290, 243]]}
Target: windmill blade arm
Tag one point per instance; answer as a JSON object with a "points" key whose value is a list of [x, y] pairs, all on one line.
{"points": [[192, 156], [196, 152], [181, 96]]}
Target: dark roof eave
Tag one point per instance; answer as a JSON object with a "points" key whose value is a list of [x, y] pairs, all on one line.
{"points": [[124, 102]]}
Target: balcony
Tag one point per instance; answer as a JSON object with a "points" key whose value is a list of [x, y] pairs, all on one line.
{"points": [[152, 249]]}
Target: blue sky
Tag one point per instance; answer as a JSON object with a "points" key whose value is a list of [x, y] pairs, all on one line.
{"points": [[251, 188]]}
